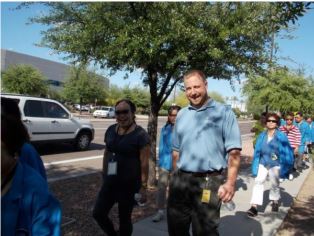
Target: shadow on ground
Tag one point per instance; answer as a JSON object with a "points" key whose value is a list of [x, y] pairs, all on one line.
{"points": [[53, 148]]}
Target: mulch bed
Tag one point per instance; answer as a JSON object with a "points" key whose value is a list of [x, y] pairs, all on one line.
{"points": [[78, 196]]}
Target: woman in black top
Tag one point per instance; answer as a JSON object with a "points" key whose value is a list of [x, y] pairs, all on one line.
{"points": [[125, 169]]}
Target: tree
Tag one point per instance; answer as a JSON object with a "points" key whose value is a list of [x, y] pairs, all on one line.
{"points": [[114, 95], [282, 90], [83, 86], [24, 79], [217, 97], [164, 40]]}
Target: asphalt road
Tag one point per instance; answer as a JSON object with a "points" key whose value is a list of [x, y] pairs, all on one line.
{"points": [[62, 161]]}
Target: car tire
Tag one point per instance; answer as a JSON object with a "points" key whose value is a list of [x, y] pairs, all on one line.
{"points": [[82, 141]]}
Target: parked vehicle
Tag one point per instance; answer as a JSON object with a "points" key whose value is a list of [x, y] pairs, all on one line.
{"points": [[78, 107], [48, 120], [104, 112]]}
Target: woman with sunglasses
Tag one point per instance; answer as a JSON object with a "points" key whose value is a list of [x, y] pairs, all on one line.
{"points": [[294, 137], [273, 156], [125, 169]]}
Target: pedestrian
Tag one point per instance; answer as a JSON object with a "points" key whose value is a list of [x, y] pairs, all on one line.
{"points": [[125, 169], [165, 161], [273, 156], [305, 137], [206, 140], [294, 137], [27, 206], [310, 122], [27, 154]]}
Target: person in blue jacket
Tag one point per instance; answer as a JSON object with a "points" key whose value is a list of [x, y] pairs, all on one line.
{"points": [[28, 153], [27, 206], [305, 137], [310, 122], [273, 156], [165, 161]]}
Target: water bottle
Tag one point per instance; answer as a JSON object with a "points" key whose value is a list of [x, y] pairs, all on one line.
{"points": [[138, 198], [230, 206]]}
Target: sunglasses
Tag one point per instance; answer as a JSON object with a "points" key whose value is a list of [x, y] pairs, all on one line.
{"points": [[122, 112], [272, 121], [289, 119]]}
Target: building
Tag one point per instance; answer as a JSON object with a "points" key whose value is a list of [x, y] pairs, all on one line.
{"points": [[55, 72]]}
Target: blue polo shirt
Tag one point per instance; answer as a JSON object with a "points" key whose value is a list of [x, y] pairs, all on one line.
{"points": [[204, 136]]}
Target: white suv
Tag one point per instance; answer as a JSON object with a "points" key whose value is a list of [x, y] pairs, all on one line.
{"points": [[49, 121], [104, 112]]}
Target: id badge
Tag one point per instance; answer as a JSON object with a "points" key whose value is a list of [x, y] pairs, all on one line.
{"points": [[112, 168], [205, 196]]}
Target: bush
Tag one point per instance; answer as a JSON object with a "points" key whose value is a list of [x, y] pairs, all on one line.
{"points": [[163, 112]]}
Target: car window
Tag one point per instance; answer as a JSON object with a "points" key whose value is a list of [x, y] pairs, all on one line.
{"points": [[33, 108], [53, 110]]}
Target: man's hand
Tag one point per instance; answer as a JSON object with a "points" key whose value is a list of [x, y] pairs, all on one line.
{"points": [[226, 192]]}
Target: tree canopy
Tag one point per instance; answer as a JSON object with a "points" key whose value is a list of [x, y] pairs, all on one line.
{"points": [[83, 85], [282, 90], [24, 79]]}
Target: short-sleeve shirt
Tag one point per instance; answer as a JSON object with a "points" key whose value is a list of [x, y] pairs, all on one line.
{"points": [[204, 136], [127, 152]]}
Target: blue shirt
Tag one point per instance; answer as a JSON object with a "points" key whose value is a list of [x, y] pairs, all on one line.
{"points": [[283, 150], [305, 135], [270, 152], [29, 205], [204, 136], [30, 156], [165, 147]]}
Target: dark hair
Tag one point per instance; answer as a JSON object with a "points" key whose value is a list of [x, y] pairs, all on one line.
{"points": [[300, 113], [129, 102], [13, 133], [174, 107], [289, 114], [268, 115], [10, 107]]}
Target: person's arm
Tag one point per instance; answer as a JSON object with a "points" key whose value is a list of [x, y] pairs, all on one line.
{"points": [[104, 162], [144, 158], [175, 158], [227, 190]]}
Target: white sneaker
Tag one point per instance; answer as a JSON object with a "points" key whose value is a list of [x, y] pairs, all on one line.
{"points": [[281, 180], [291, 177], [158, 217]]}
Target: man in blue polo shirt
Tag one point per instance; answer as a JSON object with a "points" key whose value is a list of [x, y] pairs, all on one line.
{"points": [[206, 141]]}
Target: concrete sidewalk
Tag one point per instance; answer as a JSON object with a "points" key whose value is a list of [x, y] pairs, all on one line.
{"points": [[236, 222]]}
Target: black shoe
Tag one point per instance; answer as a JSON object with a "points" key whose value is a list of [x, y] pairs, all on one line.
{"points": [[252, 212], [274, 207]]}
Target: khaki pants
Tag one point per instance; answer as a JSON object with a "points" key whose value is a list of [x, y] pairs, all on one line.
{"points": [[163, 181]]}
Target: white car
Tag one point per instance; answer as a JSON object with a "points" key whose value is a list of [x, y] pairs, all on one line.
{"points": [[49, 121], [104, 112]]}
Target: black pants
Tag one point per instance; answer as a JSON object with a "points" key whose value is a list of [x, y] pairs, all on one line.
{"points": [[107, 197], [185, 206]]}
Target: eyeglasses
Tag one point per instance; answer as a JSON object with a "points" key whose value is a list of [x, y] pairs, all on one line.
{"points": [[272, 121], [122, 112]]}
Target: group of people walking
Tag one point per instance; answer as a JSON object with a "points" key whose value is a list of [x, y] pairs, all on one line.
{"points": [[199, 160], [279, 152]]}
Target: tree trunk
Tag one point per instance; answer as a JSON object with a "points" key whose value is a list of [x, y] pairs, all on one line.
{"points": [[152, 131]]}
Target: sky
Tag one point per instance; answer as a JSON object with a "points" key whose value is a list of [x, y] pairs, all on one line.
{"points": [[18, 36]]}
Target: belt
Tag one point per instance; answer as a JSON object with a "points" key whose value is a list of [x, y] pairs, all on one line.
{"points": [[202, 174]]}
